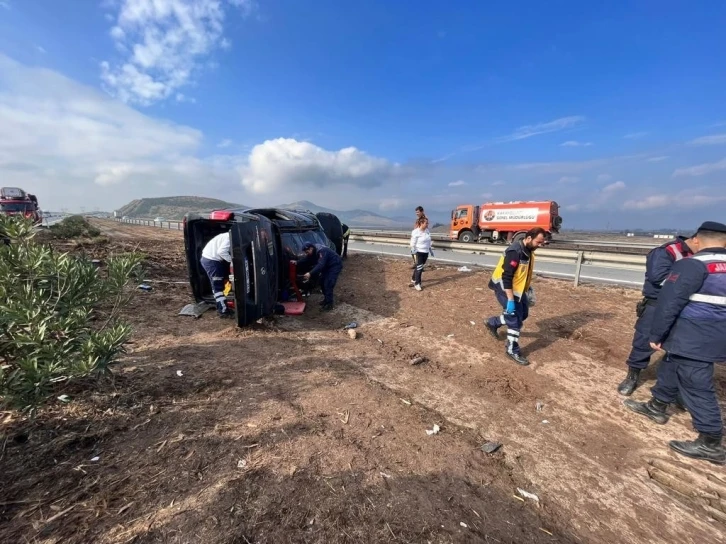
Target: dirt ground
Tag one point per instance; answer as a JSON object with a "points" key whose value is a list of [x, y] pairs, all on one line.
{"points": [[290, 431]]}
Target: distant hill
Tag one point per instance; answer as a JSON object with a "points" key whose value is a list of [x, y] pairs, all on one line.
{"points": [[352, 218], [172, 208]]}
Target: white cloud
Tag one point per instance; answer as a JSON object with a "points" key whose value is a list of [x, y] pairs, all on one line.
{"points": [[70, 143], [679, 201], [701, 169], [565, 180], [604, 177], [575, 143], [284, 163], [458, 183], [498, 183], [486, 195], [713, 139], [635, 135], [4, 4], [572, 207], [528, 131], [658, 159], [40, 49], [617, 186], [225, 143], [164, 43]]}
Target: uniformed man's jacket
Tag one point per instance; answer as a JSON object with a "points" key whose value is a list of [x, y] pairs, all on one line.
{"points": [[691, 312], [520, 259], [327, 260], [659, 262]]}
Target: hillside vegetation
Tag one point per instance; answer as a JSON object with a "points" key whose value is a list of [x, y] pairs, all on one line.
{"points": [[172, 207]]}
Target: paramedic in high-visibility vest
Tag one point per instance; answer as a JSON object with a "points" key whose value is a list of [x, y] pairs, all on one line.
{"points": [[690, 326], [511, 283], [216, 258]]}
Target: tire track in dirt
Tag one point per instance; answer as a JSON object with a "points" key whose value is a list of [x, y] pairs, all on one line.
{"points": [[583, 453]]}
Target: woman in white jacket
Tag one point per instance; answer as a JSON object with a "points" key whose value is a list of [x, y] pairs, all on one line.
{"points": [[420, 248]]}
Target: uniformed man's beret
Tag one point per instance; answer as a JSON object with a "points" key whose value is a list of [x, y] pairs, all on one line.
{"points": [[713, 226]]}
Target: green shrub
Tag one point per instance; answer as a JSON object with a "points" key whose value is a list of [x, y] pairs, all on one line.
{"points": [[74, 226], [59, 315]]}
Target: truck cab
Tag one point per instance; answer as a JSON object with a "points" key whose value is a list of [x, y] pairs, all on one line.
{"points": [[263, 242]]}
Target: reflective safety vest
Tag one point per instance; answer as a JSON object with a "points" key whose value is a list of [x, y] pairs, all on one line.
{"points": [[711, 299], [522, 275]]}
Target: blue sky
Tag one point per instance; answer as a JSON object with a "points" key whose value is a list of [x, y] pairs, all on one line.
{"points": [[616, 111]]}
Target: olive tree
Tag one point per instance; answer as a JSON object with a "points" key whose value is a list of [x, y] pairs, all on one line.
{"points": [[59, 315]]}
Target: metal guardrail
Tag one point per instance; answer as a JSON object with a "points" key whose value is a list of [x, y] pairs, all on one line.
{"points": [[574, 257], [172, 225], [592, 243]]}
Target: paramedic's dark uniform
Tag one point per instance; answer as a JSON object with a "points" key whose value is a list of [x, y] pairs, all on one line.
{"points": [[658, 265], [346, 235], [329, 266], [514, 271]]}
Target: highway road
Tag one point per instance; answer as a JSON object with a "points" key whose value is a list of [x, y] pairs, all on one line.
{"points": [[589, 273]]}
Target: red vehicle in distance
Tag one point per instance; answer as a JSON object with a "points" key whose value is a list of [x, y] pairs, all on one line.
{"points": [[15, 201]]}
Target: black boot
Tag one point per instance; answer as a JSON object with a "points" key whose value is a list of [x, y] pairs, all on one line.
{"points": [[492, 330], [653, 409], [628, 385], [707, 447]]}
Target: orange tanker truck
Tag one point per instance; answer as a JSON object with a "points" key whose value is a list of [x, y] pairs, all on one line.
{"points": [[503, 222]]}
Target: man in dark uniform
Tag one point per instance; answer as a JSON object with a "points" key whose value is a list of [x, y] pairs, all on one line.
{"points": [[329, 265], [690, 325], [657, 267], [346, 235], [511, 282]]}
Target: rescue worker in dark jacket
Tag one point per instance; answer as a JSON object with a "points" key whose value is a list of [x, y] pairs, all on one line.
{"points": [[510, 282], [346, 235], [658, 265], [690, 326], [328, 266]]}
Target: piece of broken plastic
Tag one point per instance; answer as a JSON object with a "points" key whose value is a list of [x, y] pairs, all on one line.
{"points": [[490, 447], [351, 325], [528, 495], [464, 269], [195, 310], [435, 430]]}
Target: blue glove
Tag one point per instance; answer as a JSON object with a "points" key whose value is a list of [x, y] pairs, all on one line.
{"points": [[431, 251], [510, 307]]}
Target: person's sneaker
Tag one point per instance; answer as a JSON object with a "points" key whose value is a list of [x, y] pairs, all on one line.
{"points": [[417, 287], [413, 282], [518, 358]]}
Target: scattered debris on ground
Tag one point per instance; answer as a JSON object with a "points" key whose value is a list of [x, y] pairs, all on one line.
{"points": [[287, 431]]}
